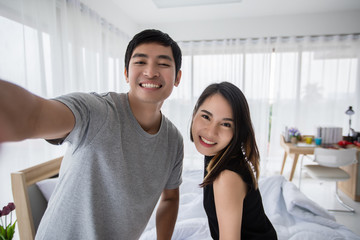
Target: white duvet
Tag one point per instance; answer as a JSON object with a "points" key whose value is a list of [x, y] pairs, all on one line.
{"points": [[294, 216]]}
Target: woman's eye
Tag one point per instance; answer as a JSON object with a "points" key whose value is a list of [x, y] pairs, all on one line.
{"points": [[227, 125], [205, 117]]}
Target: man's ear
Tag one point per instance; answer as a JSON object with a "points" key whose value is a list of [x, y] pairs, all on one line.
{"points": [[178, 78], [126, 75]]}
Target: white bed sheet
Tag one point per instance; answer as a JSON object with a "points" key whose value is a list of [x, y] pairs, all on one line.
{"points": [[294, 216]]}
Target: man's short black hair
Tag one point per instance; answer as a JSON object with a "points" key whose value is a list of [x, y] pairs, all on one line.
{"points": [[153, 36]]}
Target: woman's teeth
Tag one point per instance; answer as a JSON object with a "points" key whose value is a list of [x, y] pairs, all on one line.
{"points": [[207, 141]]}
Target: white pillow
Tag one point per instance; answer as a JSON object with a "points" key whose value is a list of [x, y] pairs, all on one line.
{"points": [[47, 187]]}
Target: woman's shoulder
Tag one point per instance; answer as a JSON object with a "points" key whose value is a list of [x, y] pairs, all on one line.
{"points": [[239, 166], [228, 175], [228, 181]]}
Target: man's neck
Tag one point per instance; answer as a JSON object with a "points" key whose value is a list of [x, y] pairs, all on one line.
{"points": [[148, 115]]}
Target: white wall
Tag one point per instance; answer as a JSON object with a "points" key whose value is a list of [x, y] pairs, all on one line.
{"points": [[310, 24], [290, 25], [113, 14]]}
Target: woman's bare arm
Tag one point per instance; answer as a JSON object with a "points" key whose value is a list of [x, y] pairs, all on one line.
{"points": [[229, 193]]}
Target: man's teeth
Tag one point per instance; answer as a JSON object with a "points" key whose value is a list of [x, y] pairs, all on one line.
{"points": [[207, 141], [150, 85]]}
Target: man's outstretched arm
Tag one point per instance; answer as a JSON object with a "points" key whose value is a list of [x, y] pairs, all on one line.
{"points": [[24, 115]]}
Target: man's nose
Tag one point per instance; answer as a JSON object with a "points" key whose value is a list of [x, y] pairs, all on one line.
{"points": [[151, 71]]}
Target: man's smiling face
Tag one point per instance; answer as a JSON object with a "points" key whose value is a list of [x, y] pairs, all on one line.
{"points": [[151, 73]]}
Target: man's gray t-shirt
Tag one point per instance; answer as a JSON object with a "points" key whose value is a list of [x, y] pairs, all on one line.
{"points": [[113, 172]]}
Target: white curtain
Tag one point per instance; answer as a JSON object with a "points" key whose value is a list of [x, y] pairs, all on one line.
{"points": [[314, 81], [54, 47], [302, 82], [246, 63]]}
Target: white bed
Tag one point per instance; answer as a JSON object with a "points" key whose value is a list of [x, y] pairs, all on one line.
{"points": [[294, 216]]}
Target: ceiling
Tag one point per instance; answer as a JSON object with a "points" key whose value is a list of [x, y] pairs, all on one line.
{"points": [[145, 12]]}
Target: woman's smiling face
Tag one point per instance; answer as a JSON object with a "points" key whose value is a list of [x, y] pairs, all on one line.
{"points": [[213, 126]]}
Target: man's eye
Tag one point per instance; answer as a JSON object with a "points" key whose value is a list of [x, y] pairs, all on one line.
{"points": [[164, 64], [139, 62]]}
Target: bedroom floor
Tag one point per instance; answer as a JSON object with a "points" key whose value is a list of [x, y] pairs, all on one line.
{"points": [[323, 194]]}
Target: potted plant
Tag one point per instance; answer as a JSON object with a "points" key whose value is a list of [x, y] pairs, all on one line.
{"points": [[7, 230], [295, 135]]}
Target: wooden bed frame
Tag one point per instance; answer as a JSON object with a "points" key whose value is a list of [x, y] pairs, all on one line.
{"points": [[29, 201]]}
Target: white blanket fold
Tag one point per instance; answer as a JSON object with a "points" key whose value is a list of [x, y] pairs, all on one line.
{"points": [[294, 216]]}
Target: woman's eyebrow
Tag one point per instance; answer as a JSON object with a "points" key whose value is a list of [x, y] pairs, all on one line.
{"points": [[207, 112], [228, 119], [210, 114]]}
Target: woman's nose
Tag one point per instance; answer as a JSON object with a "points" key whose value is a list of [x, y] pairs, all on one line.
{"points": [[212, 130]]}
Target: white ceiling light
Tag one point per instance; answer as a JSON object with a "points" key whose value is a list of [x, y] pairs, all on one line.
{"points": [[188, 3]]}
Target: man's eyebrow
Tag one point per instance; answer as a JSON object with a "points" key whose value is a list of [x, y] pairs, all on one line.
{"points": [[140, 55], [210, 114], [166, 57]]}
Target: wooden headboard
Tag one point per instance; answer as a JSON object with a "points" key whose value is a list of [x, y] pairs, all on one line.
{"points": [[29, 201]]}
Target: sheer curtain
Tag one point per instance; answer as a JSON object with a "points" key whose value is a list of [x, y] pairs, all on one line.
{"points": [[314, 80], [302, 82], [53, 47], [246, 63]]}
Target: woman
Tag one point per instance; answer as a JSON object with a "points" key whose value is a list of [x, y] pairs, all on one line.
{"points": [[221, 130]]}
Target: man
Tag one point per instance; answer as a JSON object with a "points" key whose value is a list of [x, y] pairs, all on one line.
{"points": [[123, 152]]}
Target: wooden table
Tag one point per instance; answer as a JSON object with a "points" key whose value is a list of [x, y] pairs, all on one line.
{"points": [[293, 151], [349, 187]]}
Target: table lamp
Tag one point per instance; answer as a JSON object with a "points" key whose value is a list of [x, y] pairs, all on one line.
{"points": [[349, 112]]}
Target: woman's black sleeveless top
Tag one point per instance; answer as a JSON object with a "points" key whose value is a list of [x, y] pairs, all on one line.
{"points": [[255, 223]]}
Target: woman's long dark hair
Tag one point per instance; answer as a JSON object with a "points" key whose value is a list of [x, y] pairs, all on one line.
{"points": [[243, 139]]}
